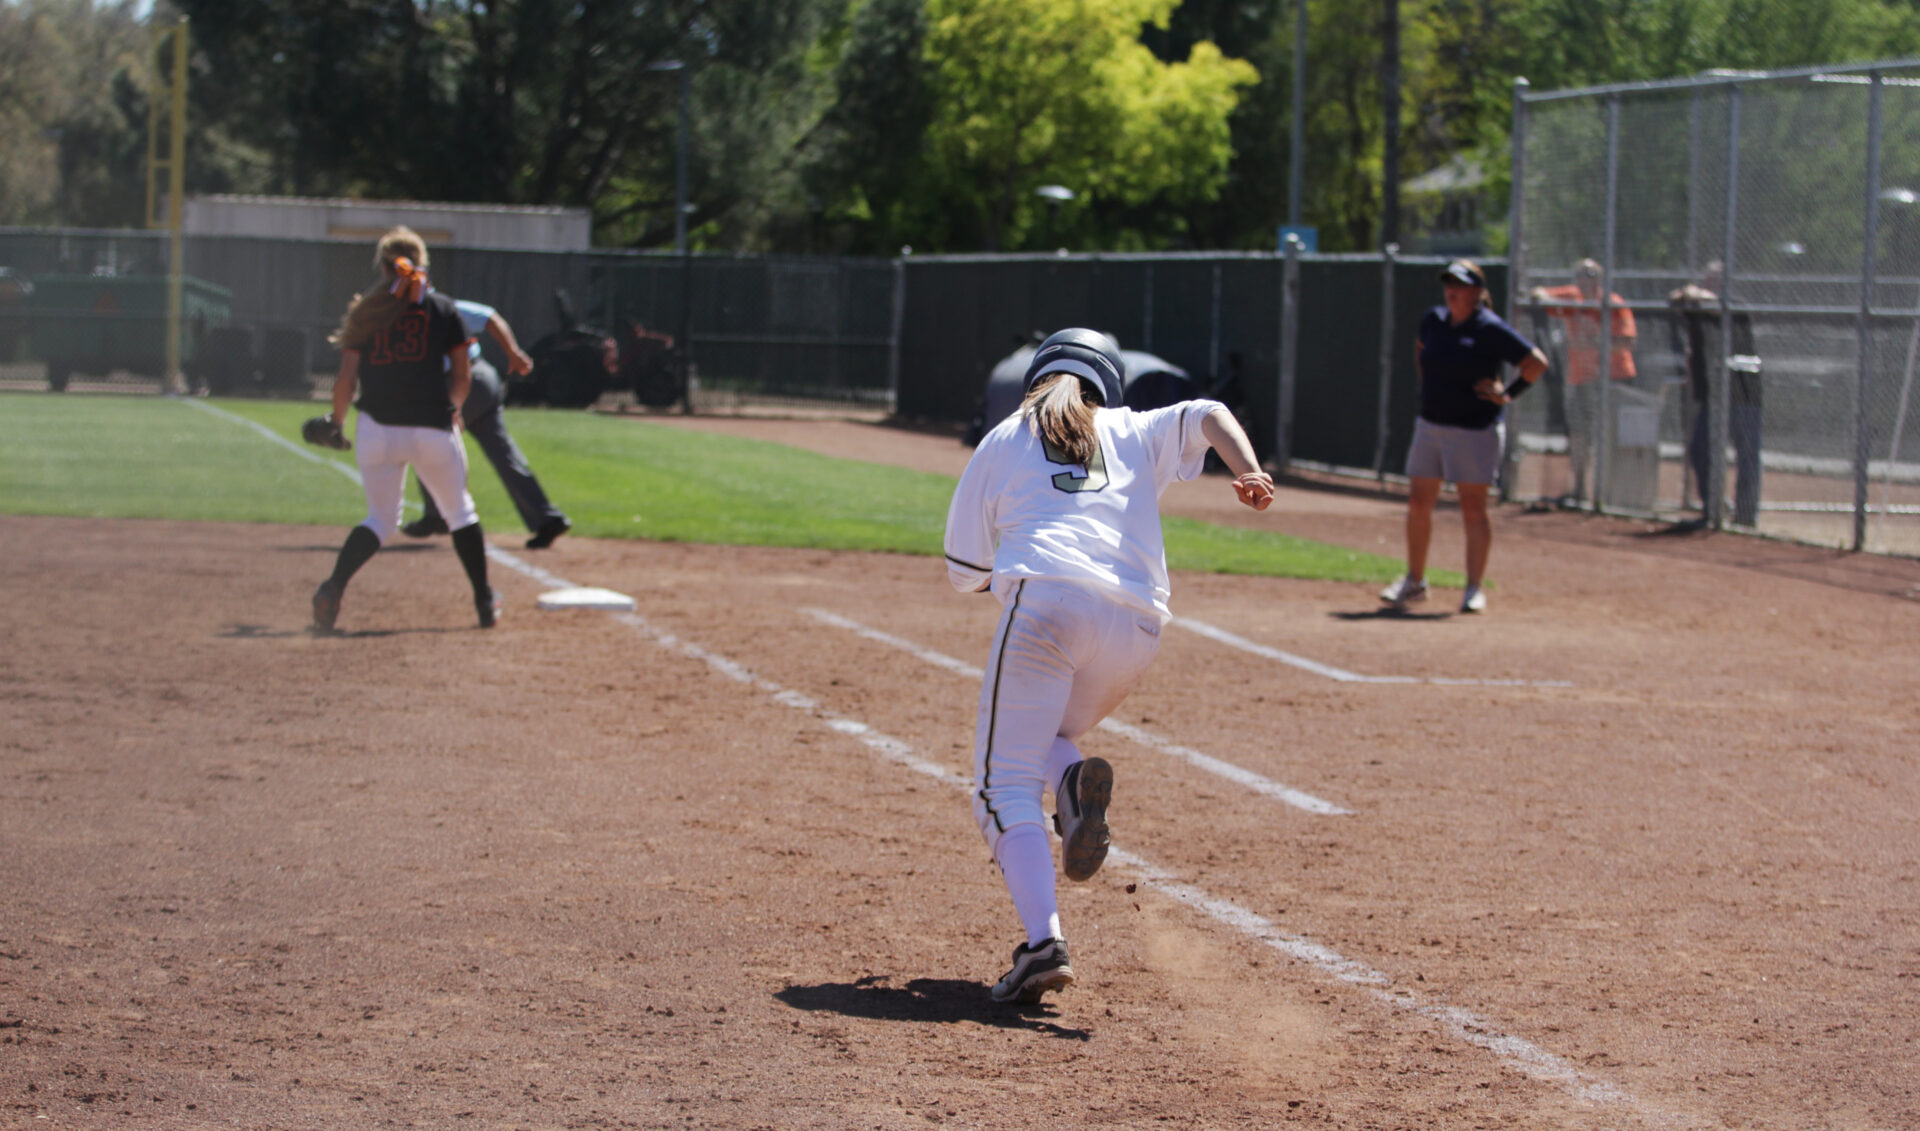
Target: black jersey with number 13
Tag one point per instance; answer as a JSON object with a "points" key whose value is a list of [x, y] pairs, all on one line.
{"points": [[403, 370]]}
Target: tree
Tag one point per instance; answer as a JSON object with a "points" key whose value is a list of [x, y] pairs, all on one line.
{"points": [[75, 150], [1031, 92]]}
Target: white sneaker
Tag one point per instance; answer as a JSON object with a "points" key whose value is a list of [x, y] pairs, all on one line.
{"points": [[1404, 592], [1473, 600]]}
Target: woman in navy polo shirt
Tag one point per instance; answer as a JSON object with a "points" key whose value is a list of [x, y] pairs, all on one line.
{"points": [[1459, 437]]}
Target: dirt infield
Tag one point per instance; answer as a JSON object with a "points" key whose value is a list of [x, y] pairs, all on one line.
{"points": [[699, 867]]}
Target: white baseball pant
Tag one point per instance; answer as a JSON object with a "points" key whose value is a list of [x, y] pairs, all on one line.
{"points": [[439, 458], [1064, 656]]}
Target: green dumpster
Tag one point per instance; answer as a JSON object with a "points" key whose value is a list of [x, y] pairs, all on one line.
{"points": [[97, 324]]}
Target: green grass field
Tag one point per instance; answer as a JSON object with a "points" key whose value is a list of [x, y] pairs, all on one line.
{"points": [[149, 457]]}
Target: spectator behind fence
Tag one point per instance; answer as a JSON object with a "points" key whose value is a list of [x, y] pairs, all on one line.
{"points": [[1697, 324], [1581, 325]]}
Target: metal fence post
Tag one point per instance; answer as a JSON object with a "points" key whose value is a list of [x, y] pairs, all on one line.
{"points": [[1389, 257], [894, 332], [1693, 187], [1213, 331], [1715, 488], [1289, 354], [1146, 334], [1516, 260], [1868, 267], [1604, 429]]}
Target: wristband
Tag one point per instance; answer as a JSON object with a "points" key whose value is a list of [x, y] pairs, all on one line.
{"points": [[1519, 385]]}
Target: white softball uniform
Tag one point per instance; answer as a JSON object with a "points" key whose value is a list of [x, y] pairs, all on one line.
{"points": [[1075, 555], [439, 458]]}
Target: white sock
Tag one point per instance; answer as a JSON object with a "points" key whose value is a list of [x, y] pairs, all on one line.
{"points": [[1061, 755], [1026, 863]]}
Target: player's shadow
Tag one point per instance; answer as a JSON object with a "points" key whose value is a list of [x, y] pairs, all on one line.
{"points": [[396, 546], [378, 633], [258, 632], [1388, 613], [937, 1000]]}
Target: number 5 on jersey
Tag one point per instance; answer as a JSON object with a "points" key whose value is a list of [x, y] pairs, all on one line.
{"points": [[1093, 480]]}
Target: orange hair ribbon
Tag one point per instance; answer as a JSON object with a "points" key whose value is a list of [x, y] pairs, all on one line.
{"points": [[409, 279]]}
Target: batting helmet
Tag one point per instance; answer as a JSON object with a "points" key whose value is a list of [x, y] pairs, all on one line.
{"points": [[1087, 354]]}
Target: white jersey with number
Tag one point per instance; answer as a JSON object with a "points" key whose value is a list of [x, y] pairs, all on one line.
{"points": [[1022, 511]]}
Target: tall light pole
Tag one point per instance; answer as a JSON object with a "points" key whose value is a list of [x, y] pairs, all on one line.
{"points": [[1297, 158], [680, 248], [1055, 196], [679, 155]]}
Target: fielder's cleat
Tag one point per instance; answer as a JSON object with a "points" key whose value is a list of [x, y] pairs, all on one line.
{"points": [[326, 606], [549, 530], [489, 606], [1473, 600], [1404, 592], [1037, 969], [1080, 817], [424, 528]]}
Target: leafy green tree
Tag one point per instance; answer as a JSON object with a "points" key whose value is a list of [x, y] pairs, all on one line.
{"points": [[1032, 92], [72, 113], [863, 162]]}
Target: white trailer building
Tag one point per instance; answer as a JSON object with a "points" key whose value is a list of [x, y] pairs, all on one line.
{"points": [[363, 221]]}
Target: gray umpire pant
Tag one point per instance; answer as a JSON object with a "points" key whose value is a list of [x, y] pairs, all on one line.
{"points": [[487, 424]]}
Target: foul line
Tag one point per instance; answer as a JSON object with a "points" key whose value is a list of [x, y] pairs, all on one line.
{"points": [[1264, 786], [1518, 1053], [1522, 1055], [1342, 675], [352, 473]]}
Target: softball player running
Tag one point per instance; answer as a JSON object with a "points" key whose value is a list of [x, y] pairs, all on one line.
{"points": [[403, 349], [1058, 513]]}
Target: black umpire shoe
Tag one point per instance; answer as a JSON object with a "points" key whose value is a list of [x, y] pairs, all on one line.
{"points": [[1038, 968], [549, 530], [1080, 817], [424, 528]]}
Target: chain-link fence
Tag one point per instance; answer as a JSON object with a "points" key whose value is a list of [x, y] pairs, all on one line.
{"points": [[1754, 240]]}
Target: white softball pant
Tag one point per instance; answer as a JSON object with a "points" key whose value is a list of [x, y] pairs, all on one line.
{"points": [[439, 458], [1064, 656]]}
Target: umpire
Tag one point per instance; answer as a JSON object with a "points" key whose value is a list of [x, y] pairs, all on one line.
{"points": [[485, 421]]}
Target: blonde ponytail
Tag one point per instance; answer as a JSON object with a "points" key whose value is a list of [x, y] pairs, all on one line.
{"points": [[1060, 411], [369, 313]]}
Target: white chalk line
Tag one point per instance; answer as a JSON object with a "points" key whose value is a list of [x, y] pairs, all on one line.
{"points": [[1239, 775], [347, 470], [1520, 1054], [1222, 636]]}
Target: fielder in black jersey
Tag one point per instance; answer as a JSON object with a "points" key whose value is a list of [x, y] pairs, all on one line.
{"points": [[403, 350]]}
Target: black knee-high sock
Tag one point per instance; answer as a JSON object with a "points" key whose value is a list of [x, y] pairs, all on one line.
{"points": [[472, 548], [361, 544]]}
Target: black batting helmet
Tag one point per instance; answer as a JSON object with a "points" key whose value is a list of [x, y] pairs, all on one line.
{"points": [[1087, 354]]}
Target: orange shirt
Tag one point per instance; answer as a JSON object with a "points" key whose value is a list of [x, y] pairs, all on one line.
{"points": [[1583, 336]]}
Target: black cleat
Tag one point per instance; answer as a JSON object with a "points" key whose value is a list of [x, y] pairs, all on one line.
{"points": [[549, 531], [488, 605], [424, 528], [1037, 969], [1080, 817], [326, 606]]}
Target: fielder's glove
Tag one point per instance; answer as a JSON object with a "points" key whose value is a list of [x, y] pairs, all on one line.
{"points": [[325, 432]]}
